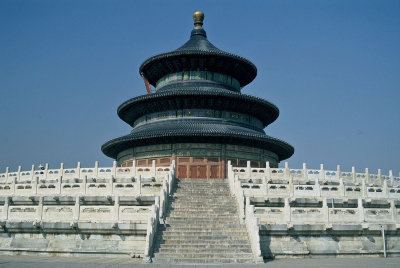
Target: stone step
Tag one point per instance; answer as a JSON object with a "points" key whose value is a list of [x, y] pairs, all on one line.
{"points": [[200, 246], [174, 241], [201, 198], [168, 236], [196, 234], [201, 215], [203, 209], [206, 255], [195, 221], [202, 204], [205, 250], [237, 228], [201, 260], [212, 227]]}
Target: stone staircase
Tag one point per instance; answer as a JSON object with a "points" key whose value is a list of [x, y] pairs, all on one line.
{"points": [[202, 226]]}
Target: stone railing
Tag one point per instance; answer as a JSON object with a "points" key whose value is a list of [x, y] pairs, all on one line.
{"points": [[152, 227], [99, 200], [44, 210], [125, 181], [304, 182], [316, 175], [283, 196], [360, 214], [253, 230], [159, 211], [97, 172], [246, 213]]}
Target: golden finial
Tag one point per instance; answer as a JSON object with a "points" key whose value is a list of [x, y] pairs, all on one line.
{"points": [[198, 18]]}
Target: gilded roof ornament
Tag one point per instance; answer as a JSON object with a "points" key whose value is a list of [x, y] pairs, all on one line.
{"points": [[198, 18]]}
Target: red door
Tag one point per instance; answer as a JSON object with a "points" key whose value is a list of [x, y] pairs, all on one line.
{"points": [[202, 171], [193, 172], [182, 172], [214, 172]]}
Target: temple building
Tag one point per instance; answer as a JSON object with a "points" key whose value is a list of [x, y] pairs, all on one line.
{"points": [[198, 125], [198, 115]]}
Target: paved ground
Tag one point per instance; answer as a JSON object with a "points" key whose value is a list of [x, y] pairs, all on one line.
{"points": [[84, 262]]}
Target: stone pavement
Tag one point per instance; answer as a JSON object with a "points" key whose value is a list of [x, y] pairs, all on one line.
{"points": [[88, 262]]}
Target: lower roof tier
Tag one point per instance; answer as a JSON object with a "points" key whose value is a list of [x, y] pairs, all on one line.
{"points": [[210, 131]]}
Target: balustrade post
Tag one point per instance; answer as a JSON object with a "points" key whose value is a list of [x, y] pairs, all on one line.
{"points": [[265, 185], [46, 171], [325, 210], [32, 172], [84, 185], [291, 186], [133, 170], [153, 168], [235, 183], [114, 169], [7, 171], [391, 178], [77, 208], [338, 172], [5, 208], [385, 189], [286, 172], [35, 183], [393, 211], [380, 176], [321, 172], [342, 190], [305, 172], [19, 173], [353, 173], [248, 170], [96, 168], [116, 208], [287, 211], [62, 169], [363, 189], [59, 182], [267, 170], [13, 185], [78, 170], [317, 188], [111, 185], [361, 210], [139, 185], [229, 169], [367, 175], [40, 209]]}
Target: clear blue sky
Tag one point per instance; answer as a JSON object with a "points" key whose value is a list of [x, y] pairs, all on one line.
{"points": [[332, 68]]}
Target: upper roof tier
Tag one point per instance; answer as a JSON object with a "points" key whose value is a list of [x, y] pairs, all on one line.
{"points": [[198, 54]]}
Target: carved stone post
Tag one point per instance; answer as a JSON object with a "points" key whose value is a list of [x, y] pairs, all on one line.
{"points": [[96, 169], [325, 210], [78, 170], [153, 168], [248, 170], [361, 210], [287, 211], [305, 172]]}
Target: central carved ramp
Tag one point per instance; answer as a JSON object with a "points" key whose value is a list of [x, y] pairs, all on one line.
{"points": [[202, 226]]}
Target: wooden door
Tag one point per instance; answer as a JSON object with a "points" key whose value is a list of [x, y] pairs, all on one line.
{"points": [[193, 172], [182, 172], [202, 171], [214, 170]]}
